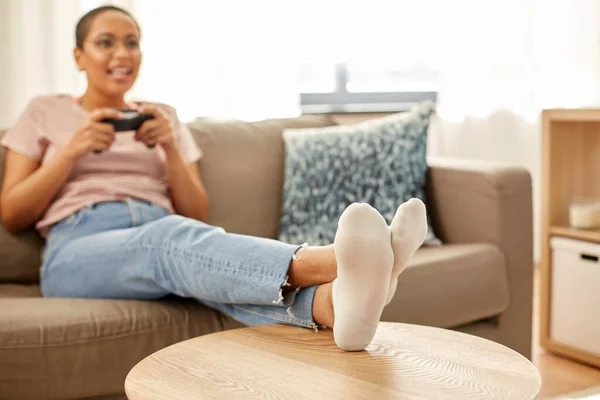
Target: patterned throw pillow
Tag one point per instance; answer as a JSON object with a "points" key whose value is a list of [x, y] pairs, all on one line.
{"points": [[381, 162]]}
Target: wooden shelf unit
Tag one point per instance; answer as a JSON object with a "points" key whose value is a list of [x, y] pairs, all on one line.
{"points": [[570, 169]]}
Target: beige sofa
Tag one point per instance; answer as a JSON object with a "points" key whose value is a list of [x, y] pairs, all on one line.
{"points": [[479, 281]]}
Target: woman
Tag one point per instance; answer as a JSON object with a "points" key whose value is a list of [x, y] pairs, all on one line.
{"points": [[122, 212]]}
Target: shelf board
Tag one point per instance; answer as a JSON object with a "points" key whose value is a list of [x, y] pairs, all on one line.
{"points": [[580, 234], [571, 352], [573, 115]]}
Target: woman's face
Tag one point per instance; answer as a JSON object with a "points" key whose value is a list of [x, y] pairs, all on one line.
{"points": [[111, 53]]}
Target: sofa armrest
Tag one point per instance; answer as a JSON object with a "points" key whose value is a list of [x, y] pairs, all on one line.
{"points": [[485, 202]]}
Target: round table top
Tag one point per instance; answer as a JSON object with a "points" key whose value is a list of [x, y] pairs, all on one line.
{"points": [[284, 362]]}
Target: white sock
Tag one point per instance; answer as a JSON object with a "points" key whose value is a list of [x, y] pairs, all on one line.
{"points": [[364, 263], [409, 229]]}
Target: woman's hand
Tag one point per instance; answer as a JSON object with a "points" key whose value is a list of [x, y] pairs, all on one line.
{"points": [[93, 135], [158, 130]]}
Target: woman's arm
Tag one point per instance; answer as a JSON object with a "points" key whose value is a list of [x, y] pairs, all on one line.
{"points": [[188, 194], [28, 188], [187, 191]]}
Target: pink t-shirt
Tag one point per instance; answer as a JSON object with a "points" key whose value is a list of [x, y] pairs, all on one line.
{"points": [[128, 169]]}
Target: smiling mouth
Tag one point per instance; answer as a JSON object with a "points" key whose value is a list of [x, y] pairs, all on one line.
{"points": [[120, 72]]}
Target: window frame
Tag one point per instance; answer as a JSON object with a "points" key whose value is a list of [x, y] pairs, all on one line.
{"points": [[341, 101]]}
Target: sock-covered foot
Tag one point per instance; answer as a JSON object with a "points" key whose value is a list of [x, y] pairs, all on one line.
{"points": [[364, 261], [409, 229]]}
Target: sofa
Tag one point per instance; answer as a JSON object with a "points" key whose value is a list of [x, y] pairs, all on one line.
{"points": [[479, 281]]}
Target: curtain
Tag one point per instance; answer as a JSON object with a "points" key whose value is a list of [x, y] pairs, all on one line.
{"points": [[235, 58], [238, 58], [507, 61], [36, 52]]}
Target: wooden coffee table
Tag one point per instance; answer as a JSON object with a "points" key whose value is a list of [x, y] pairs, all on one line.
{"points": [[283, 362]]}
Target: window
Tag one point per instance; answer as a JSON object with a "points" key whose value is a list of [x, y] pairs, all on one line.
{"points": [[356, 87], [383, 55]]}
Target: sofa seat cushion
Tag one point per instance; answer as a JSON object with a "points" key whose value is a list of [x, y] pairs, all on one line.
{"points": [[451, 285], [91, 344]]}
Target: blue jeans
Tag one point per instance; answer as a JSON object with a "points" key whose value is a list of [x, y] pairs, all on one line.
{"points": [[135, 250]]}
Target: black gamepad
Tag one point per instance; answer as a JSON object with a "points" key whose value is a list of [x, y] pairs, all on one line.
{"points": [[131, 121]]}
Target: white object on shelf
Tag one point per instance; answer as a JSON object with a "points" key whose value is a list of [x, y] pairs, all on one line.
{"points": [[575, 294], [584, 214]]}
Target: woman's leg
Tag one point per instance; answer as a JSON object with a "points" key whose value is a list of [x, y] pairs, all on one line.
{"points": [[352, 304], [177, 255], [186, 257], [312, 265], [312, 308], [255, 280]]}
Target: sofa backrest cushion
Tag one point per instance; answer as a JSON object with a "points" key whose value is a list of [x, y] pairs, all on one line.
{"points": [[20, 254], [242, 169]]}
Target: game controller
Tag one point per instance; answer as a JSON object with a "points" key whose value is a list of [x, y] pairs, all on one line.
{"points": [[131, 121]]}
